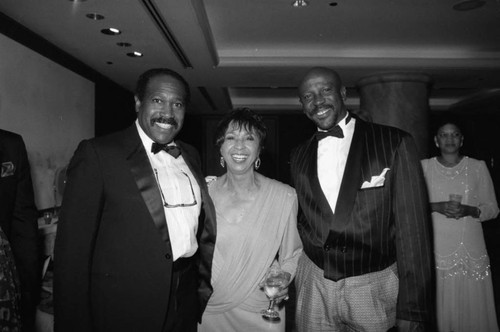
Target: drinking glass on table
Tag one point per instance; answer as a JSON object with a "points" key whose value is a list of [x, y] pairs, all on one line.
{"points": [[274, 282]]}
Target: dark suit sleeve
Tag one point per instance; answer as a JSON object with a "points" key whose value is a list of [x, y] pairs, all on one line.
{"points": [[24, 238], [78, 223], [413, 235]]}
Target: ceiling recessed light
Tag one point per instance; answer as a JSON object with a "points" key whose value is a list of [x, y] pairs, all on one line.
{"points": [[123, 44], [111, 31], [95, 16], [109, 62], [468, 5], [333, 4], [134, 54]]}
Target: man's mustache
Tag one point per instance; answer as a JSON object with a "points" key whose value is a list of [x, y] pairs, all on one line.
{"points": [[165, 120]]}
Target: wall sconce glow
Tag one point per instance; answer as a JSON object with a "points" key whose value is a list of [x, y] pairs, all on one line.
{"points": [[300, 3], [111, 31], [135, 54]]}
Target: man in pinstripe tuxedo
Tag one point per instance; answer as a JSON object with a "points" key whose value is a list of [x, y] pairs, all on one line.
{"points": [[363, 220]]}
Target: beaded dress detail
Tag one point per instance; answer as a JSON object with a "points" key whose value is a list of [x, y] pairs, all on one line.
{"points": [[460, 261]]}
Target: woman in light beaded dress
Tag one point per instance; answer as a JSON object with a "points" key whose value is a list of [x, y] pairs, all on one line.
{"points": [[462, 196]]}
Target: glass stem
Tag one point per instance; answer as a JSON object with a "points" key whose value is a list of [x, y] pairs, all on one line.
{"points": [[271, 305]]}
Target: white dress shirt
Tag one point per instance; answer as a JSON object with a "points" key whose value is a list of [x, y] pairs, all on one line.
{"points": [[172, 177], [332, 157]]}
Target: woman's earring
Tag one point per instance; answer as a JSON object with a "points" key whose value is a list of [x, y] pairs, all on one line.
{"points": [[222, 163], [257, 164]]}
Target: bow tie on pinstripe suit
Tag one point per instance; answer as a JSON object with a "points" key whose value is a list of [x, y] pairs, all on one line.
{"points": [[335, 131]]}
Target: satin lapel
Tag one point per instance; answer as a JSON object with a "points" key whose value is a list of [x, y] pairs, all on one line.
{"points": [[351, 181], [1, 147], [146, 183], [200, 179], [312, 175], [191, 164]]}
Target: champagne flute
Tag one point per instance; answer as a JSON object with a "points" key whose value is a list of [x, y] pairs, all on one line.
{"points": [[274, 282]]}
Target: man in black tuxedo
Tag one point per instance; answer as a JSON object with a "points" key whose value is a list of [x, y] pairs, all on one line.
{"points": [[18, 220], [363, 220], [137, 227]]}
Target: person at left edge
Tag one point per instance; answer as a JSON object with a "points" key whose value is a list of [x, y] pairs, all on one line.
{"points": [[137, 228], [18, 221]]}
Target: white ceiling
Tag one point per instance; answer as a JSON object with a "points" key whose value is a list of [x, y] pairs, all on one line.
{"points": [[253, 52]]}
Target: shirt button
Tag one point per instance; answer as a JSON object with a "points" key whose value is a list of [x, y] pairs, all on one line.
{"points": [[343, 249], [327, 247], [168, 256]]}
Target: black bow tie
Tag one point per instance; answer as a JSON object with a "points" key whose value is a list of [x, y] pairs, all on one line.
{"points": [[172, 150], [335, 131]]}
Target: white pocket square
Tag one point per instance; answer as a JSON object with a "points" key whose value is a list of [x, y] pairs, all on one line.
{"points": [[8, 169], [376, 181]]}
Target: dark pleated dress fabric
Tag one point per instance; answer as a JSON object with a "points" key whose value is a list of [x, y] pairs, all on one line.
{"points": [[9, 288]]}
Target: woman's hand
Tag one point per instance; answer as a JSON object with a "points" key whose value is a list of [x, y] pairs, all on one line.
{"points": [[452, 209], [467, 210], [283, 294], [447, 208]]}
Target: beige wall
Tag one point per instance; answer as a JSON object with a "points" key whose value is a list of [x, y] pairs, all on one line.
{"points": [[50, 106]]}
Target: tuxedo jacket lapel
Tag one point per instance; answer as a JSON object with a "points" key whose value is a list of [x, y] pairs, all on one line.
{"points": [[142, 171], [207, 218], [352, 179], [188, 158], [311, 161]]}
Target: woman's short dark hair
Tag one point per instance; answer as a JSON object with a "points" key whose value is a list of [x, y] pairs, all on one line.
{"points": [[241, 118], [447, 119], [145, 77]]}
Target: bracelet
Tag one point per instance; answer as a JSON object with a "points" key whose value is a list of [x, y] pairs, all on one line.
{"points": [[478, 212]]}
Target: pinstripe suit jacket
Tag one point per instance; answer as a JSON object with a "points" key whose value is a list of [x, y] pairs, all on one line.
{"points": [[371, 228]]}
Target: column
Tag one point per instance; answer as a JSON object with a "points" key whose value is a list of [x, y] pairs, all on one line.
{"points": [[399, 100]]}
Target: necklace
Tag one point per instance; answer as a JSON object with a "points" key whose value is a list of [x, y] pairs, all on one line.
{"points": [[451, 172]]}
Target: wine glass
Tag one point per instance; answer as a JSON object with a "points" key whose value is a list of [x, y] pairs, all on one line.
{"points": [[274, 282]]}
